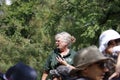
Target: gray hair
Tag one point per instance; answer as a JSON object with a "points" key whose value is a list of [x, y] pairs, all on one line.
{"points": [[66, 37]]}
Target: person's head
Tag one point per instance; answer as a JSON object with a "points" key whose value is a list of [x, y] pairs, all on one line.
{"points": [[108, 39], [21, 71], [90, 62], [61, 72], [64, 39]]}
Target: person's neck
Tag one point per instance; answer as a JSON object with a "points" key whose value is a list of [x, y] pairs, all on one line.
{"points": [[64, 52]]}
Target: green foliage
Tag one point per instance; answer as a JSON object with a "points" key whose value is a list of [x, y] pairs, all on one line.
{"points": [[27, 27]]}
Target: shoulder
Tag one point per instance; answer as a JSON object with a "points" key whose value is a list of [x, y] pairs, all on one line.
{"points": [[52, 55], [72, 51], [53, 52]]}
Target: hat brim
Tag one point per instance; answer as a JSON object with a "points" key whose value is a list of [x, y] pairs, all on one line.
{"points": [[82, 67]]}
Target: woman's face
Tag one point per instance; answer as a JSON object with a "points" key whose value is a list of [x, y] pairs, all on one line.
{"points": [[60, 43], [110, 46], [96, 71]]}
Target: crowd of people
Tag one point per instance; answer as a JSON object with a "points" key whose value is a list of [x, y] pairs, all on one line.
{"points": [[63, 63], [89, 63]]}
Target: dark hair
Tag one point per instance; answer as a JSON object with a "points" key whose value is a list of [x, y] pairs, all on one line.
{"points": [[21, 71], [117, 41], [112, 42]]}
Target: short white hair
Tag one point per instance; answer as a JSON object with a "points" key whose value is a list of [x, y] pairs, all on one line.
{"points": [[66, 37]]}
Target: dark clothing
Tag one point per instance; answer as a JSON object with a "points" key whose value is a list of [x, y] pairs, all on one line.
{"points": [[116, 78], [52, 63], [110, 65]]}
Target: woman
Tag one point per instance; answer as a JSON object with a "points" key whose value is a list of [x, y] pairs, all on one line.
{"points": [[109, 42], [62, 55]]}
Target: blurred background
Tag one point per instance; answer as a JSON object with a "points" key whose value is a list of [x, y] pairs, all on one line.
{"points": [[27, 27]]}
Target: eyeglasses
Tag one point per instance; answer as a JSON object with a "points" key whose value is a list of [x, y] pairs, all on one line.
{"points": [[101, 65]]}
